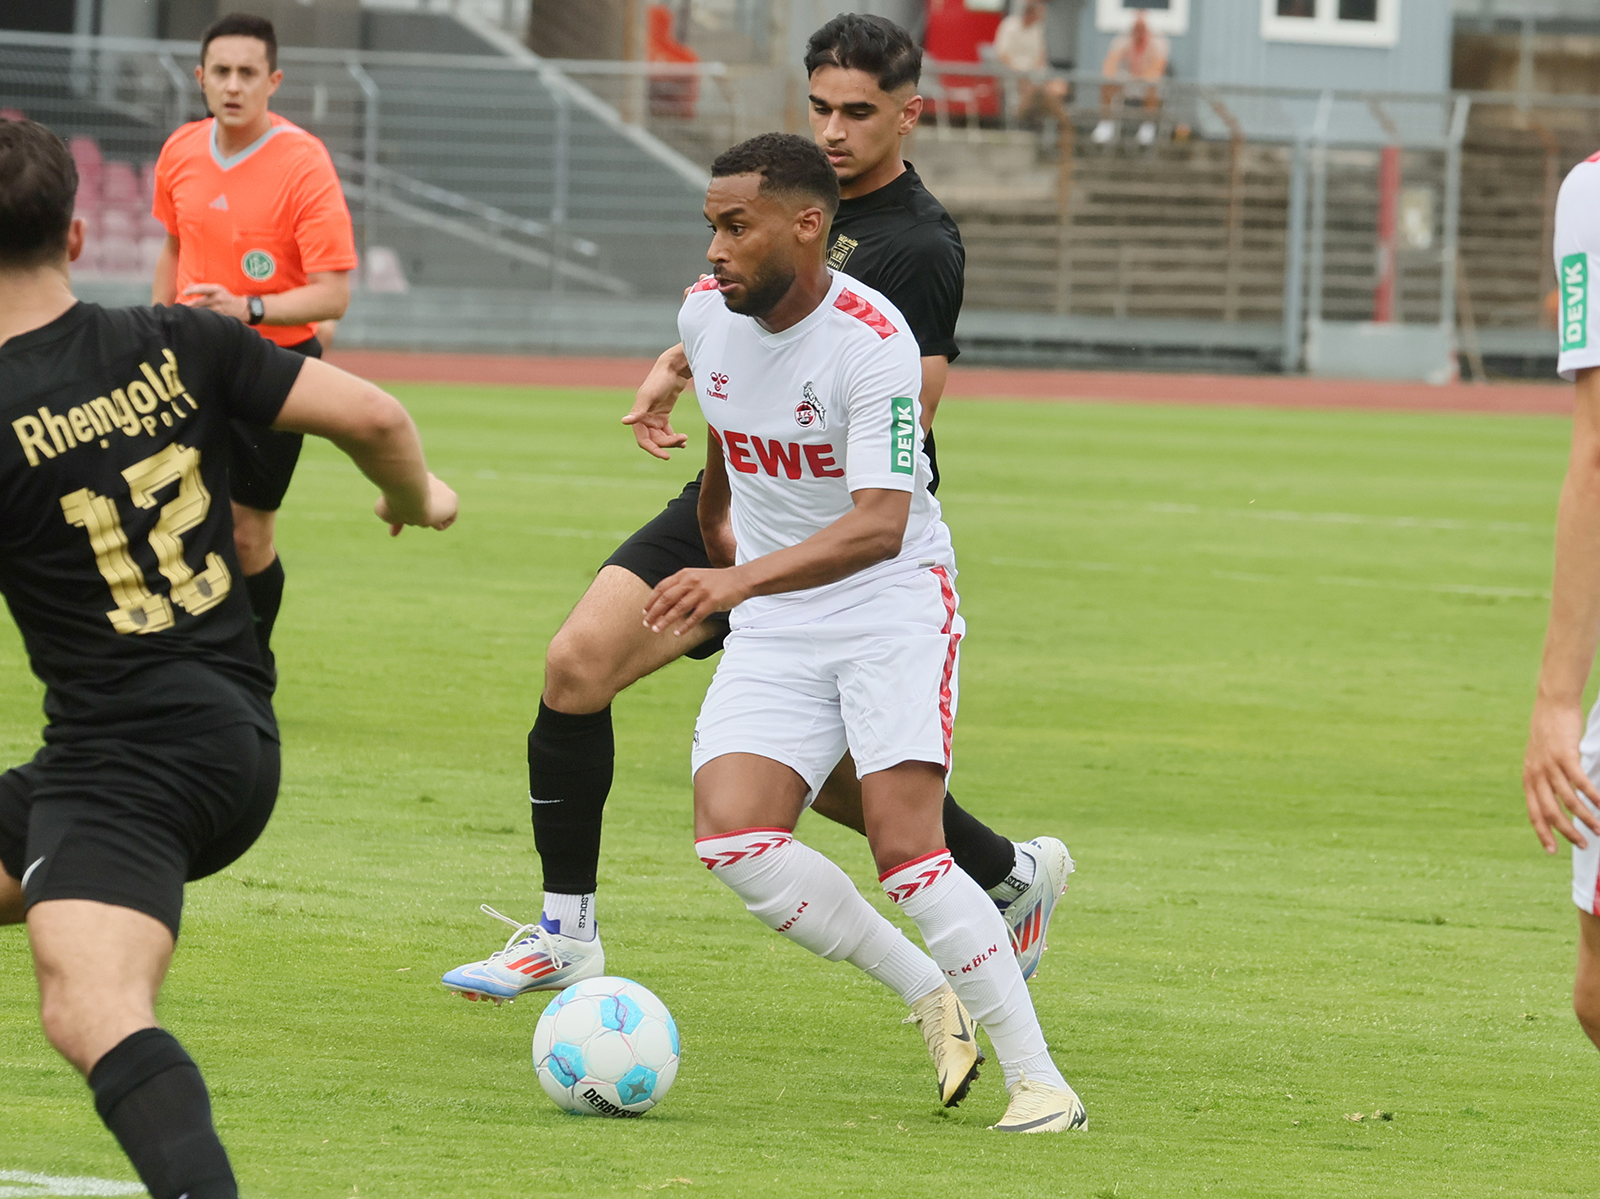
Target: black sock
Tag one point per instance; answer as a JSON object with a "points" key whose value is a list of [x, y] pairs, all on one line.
{"points": [[150, 1094], [977, 848], [266, 597], [570, 762]]}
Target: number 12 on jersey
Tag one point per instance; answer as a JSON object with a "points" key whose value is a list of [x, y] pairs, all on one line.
{"points": [[139, 610]]}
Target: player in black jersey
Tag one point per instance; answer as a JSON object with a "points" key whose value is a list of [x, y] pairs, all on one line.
{"points": [[117, 561], [894, 236]]}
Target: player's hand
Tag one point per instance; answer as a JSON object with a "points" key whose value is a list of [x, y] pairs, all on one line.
{"points": [[685, 599], [1553, 778], [217, 298], [651, 414], [693, 285], [440, 514]]}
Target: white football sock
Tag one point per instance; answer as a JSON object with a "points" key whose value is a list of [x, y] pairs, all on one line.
{"points": [[967, 937], [1039, 1067], [573, 915], [794, 890], [1023, 869]]}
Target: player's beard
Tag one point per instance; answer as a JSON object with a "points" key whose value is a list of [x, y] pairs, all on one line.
{"points": [[763, 290]]}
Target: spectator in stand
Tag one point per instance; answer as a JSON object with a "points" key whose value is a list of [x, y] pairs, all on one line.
{"points": [[1135, 55], [1020, 46]]}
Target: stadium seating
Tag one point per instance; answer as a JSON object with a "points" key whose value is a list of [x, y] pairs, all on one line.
{"points": [[123, 240]]}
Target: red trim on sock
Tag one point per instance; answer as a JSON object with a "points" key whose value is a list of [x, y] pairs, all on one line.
{"points": [[775, 838], [914, 861]]}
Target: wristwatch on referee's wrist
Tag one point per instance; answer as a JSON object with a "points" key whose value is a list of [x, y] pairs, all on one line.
{"points": [[258, 310]]}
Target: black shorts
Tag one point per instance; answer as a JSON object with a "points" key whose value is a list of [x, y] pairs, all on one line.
{"points": [[129, 822], [670, 543], [261, 461]]}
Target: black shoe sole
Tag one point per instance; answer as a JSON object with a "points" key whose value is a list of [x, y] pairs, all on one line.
{"points": [[966, 1084]]}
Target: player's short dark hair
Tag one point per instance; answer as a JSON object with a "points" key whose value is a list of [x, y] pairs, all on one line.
{"points": [[242, 24], [787, 164], [38, 186], [862, 42]]}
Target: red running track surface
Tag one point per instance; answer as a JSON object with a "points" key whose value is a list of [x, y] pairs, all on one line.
{"points": [[988, 383]]}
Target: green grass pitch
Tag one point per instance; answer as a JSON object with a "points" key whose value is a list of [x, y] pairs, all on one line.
{"points": [[1266, 672]]}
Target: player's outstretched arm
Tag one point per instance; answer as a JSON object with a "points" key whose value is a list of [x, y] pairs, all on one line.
{"points": [[651, 414], [377, 432], [869, 533], [1552, 773]]}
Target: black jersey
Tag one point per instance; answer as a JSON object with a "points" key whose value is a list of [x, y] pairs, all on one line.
{"points": [[902, 242], [116, 535]]}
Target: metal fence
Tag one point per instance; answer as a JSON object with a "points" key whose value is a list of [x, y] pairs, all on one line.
{"points": [[1263, 224], [473, 171]]}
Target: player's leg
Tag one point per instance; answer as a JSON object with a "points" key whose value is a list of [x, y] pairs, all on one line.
{"points": [[1586, 986], [99, 968], [261, 463], [898, 693], [15, 803], [768, 732], [114, 829], [1025, 880], [964, 934], [600, 650]]}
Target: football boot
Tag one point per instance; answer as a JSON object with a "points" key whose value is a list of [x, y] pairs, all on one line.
{"points": [[536, 958], [952, 1042], [1040, 1107], [1028, 915]]}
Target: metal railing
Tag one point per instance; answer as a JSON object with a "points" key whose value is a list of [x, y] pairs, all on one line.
{"points": [[495, 171]]}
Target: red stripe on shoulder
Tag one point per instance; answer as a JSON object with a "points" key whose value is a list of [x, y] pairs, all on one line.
{"points": [[709, 283], [1595, 157], [853, 305]]}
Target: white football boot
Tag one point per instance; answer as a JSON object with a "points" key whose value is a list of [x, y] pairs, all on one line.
{"points": [[1104, 133], [1147, 133], [1028, 915], [1040, 1107], [534, 959], [952, 1042]]}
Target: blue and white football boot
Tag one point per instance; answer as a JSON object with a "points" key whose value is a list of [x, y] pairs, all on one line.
{"points": [[1028, 915], [536, 958]]}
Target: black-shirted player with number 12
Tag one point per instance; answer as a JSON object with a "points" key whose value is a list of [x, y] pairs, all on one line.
{"points": [[891, 234], [117, 561]]}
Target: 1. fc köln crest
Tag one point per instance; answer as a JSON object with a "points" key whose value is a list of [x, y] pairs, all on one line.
{"points": [[809, 412]]}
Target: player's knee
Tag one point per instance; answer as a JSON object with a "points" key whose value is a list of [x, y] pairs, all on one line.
{"points": [[64, 1020], [577, 675]]}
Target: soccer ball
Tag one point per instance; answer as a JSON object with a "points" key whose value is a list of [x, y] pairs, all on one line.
{"points": [[606, 1047]]}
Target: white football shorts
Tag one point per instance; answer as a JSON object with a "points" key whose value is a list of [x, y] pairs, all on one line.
{"points": [[1586, 862], [879, 679]]}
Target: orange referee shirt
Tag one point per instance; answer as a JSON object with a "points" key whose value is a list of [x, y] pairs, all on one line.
{"points": [[256, 223]]}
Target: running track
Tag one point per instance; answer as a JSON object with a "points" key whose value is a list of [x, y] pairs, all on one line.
{"points": [[1258, 391]]}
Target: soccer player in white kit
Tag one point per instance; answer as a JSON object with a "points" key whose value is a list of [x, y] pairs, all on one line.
{"points": [[1561, 772], [831, 555]]}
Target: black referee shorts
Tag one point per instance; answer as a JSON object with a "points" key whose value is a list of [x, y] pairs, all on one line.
{"points": [[261, 461], [129, 822], [670, 543]]}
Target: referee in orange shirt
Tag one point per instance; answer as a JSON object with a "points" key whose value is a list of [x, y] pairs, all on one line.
{"points": [[257, 229]]}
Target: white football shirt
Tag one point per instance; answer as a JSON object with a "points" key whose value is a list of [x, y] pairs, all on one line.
{"points": [[805, 417], [1577, 254]]}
